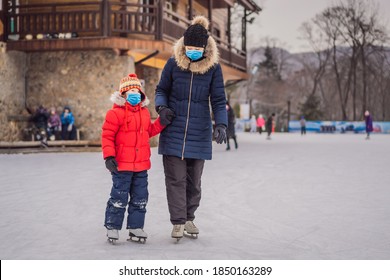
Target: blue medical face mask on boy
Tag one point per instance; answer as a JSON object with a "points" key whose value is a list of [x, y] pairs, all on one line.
{"points": [[134, 98], [194, 54]]}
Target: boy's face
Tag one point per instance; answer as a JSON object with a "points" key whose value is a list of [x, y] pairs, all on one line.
{"points": [[132, 91]]}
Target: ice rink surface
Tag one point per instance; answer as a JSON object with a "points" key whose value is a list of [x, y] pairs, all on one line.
{"points": [[322, 197]]}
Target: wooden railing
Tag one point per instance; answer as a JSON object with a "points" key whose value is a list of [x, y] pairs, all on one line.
{"points": [[106, 19]]}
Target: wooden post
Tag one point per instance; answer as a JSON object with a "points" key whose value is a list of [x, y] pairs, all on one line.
{"points": [[211, 16], [229, 31], [190, 14], [243, 27], [5, 19], [159, 22], [105, 19], [288, 114]]}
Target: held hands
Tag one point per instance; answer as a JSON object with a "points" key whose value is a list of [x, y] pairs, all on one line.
{"points": [[112, 165], [166, 115], [220, 134]]}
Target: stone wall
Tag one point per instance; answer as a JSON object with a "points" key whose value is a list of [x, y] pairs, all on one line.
{"points": [[12, 90], [83, 80]]}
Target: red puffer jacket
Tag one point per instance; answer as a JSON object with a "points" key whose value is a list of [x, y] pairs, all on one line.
{"points": [[126, 133]]}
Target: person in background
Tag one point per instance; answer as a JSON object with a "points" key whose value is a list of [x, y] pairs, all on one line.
{"points": [[68, 129], [39, 120], [260, 123], [53, 125], [231, 132], [303, 125], [369, 126], [253, 124], [269, 125]]}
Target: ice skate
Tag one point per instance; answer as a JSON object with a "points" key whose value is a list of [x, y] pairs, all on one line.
{"points": [[137, 235], [177, 232], [191, 230], [112, 235]]}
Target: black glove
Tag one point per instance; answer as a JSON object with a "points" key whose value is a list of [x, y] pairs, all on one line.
{"points": [[166, 115], [220, 133], [112, 165]]}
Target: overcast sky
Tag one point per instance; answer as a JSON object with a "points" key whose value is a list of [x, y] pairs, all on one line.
{"points": [[281, 19]]}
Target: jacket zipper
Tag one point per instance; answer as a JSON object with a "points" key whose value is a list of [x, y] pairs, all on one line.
{"points": [[188, 116]]}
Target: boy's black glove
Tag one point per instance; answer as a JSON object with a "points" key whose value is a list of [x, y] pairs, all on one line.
{"points": [[220, 133], [166, 115], [112, 165]]}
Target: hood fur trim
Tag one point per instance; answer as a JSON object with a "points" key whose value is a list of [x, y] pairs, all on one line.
{"points": [[117, 99], [211, 57]]}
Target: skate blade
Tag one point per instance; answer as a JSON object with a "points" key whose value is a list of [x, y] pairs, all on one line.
{"points": [[177, 238], [141, 240], [112, 241], [191, 235]]}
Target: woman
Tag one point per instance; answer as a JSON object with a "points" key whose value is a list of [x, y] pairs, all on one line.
{"points": [[190, 80]]}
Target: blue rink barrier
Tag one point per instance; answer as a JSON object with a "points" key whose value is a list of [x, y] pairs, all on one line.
{"points": [[338, 127]]}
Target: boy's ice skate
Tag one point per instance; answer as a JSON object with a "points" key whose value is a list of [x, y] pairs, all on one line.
{"points": [[191, 230], [112, 235], [177, 232], [137, 235]]}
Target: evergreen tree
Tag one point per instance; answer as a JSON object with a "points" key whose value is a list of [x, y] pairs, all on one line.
{"points": [[269, 65], [311, 108]]}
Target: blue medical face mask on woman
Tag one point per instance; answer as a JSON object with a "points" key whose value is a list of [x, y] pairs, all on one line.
{"points": [[134, 98], [194, 54]]}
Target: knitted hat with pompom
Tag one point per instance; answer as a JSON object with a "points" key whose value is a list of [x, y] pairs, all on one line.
{"points": [[129, 82], [196, 34]]}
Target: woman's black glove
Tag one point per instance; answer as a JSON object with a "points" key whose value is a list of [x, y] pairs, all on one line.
{"points": [[112, 165], [166, 115], [220, 133]]}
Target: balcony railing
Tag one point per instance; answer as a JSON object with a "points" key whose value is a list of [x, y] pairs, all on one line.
{"points": [[106, 19]]}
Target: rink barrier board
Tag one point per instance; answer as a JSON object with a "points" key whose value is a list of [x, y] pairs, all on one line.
{"points": [[338, 127]]}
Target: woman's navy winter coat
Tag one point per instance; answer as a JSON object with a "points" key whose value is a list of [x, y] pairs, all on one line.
{"points": [[189, 91]]}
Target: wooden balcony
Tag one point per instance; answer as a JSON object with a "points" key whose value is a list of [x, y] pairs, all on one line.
{"points": [[102, 25]]}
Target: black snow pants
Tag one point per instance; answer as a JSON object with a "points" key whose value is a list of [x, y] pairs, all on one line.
{"points": [[183, 185]]}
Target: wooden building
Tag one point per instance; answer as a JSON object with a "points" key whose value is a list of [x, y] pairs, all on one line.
{"points": [[143, 30]]}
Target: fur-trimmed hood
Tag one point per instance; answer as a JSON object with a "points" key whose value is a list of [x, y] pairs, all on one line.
{"points": [[210, 55], [117, 99]]}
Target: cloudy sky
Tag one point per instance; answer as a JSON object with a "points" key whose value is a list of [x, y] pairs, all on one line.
{"points": [[281, 19]]}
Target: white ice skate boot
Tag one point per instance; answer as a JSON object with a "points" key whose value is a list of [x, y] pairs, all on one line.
{"points": [[177, 232], [112, 235], [137, 235], [191, 230]]}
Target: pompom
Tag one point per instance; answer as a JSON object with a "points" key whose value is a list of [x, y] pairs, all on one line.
{"points": [[201, 20], [133, 75]]}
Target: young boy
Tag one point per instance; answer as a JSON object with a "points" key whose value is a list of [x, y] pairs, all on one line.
{"points": [[126, 150]]}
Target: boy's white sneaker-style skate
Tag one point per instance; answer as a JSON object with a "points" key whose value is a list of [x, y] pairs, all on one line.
{"points": [[177, 232], [191, 230], [112, 235], [137, 235]]}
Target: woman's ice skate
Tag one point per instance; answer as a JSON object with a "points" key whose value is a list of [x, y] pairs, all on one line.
{"points": [[177, 232], [112, 235], [137, 235], [191, 230]]}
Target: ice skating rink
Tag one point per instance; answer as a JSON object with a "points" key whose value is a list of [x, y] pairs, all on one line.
{"points": [[322, 197]]}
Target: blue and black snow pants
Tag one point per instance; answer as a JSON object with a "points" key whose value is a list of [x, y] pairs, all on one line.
{"points": [[127, 183]]}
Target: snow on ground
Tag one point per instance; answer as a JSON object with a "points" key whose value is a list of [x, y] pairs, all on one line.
{"points": [[294, 197]]}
